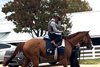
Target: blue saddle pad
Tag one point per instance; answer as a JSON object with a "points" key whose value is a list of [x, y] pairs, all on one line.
{"points": [[50, 48]]}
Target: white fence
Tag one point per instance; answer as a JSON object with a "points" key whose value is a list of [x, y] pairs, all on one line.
{"points": [[90, 54]]}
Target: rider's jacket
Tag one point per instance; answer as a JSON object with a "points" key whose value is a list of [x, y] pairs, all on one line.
{"points": [[54, 27]]}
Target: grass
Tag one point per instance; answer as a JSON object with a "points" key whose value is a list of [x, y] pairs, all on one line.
{"points": [[90, 61]]}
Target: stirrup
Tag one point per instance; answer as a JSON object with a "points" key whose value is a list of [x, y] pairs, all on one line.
{"points": [[56, 53]]}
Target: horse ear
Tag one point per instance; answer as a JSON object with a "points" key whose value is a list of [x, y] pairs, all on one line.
{"points": [[88, 31]]}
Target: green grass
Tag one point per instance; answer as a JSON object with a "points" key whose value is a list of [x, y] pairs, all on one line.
{"points": [[91, 61]]}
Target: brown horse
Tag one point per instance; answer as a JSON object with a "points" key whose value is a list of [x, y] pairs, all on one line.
{"points": [[34, 48], [18, 49]]}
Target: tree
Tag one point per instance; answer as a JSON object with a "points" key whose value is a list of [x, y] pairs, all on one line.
{"points": [[33, 15]]}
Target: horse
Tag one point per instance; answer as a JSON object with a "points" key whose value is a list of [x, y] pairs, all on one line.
{"points": [[34, 48], [18, 49]]}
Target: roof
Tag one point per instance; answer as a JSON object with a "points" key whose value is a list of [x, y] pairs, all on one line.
{"points": [[9, 36], [95, 36], [86, 21], [15, 37], [6, 26]]}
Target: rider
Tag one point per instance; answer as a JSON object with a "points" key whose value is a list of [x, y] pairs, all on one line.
{"points": [[74, 62], [54, 27]]}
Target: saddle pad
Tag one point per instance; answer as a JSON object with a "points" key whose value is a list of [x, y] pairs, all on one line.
{"points": [[50, 48]]}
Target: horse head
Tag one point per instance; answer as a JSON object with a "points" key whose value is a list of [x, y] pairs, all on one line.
{"points": [[86, 41]]}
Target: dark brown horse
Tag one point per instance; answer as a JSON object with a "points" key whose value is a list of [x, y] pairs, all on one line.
{"points": [[34, 48]]}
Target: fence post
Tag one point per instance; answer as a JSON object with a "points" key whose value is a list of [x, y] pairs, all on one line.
{"points": [[93, 52]]}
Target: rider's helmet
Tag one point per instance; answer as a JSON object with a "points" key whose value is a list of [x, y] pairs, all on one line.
{"points": [[55, 14]]}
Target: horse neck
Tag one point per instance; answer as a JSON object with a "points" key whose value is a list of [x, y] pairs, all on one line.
{"points": [[75, 40]]}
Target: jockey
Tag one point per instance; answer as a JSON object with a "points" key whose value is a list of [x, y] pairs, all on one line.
{"points": [[54, 31]]}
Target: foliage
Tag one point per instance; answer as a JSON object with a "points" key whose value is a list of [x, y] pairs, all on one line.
{"points": [[24, 12]]}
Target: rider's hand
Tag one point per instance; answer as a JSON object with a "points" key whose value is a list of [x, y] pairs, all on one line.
{"points": [[61, 31]]}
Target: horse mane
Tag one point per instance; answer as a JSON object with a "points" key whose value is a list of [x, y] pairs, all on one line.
{"points": [[72, 35]]}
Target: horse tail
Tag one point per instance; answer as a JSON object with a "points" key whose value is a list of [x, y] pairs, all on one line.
{"points": [[18, 49]]}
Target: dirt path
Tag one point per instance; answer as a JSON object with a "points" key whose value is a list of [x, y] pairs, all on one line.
{"points": [[82, 65]]}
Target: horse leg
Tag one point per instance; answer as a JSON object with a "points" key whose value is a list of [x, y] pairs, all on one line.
{"points": [[64, 62], [26, 62], [35, 61]]}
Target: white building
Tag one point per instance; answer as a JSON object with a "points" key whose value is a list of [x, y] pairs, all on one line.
{"points": [[7, 35], [86, 21], [82, 21]]}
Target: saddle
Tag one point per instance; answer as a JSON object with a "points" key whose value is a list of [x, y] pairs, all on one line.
{"points": [[52, 50]]}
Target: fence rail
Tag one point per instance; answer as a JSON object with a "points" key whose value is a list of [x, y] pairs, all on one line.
{"points": [[90, 54]]}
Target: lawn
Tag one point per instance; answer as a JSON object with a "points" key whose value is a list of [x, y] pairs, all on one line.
{"points": [[90, 61]]}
